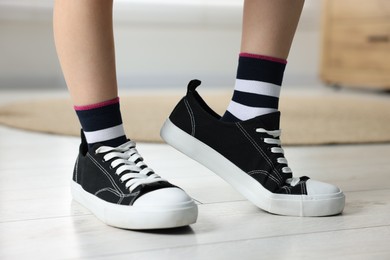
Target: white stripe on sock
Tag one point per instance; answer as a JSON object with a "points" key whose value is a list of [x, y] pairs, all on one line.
{"points": [[243, 112], [104, 134], [257, 87]]}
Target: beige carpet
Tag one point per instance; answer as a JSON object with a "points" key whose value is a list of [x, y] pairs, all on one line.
{"points": [[306, 120]]}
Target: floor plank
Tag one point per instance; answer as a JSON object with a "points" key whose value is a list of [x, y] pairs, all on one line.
{"points": [[344, 244], [219, 224]]}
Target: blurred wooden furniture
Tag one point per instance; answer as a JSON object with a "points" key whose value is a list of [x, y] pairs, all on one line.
{"points": [[356, 43]]}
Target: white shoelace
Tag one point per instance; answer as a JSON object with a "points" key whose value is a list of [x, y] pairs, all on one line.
{"points": [[278, 150], [127, 156]]}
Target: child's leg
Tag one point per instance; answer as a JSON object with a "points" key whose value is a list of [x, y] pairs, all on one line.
{"points": [[85, 46], [268, 31], [269, 26], [248, 153], [110, 177]]}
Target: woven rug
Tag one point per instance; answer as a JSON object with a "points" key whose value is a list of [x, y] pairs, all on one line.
{"points": [[307, 120]]}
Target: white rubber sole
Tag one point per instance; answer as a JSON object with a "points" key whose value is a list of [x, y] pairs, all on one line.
{"points": [[136, 217], [291, 205]]}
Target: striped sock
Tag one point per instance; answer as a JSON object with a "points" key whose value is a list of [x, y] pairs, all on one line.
{"points": [[102, 123], [257, 87]]}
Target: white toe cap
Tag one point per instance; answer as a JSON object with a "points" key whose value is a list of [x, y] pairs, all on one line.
{"points": [[320, 188], [164, 197]]}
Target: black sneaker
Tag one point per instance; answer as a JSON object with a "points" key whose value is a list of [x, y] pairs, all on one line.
{"points": [[248, 155], [118, 187]]}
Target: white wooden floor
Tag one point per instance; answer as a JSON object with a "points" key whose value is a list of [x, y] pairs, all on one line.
{"points": [[39, 220]]}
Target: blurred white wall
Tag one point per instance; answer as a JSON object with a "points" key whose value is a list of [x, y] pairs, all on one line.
{"points": [[158, 43]]}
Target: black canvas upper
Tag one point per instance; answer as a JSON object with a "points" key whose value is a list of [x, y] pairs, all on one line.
{"points": [[238, 142], [97, 177]]}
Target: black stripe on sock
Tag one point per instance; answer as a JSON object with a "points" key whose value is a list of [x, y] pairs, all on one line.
{"points": [[255, 100], [100, 118], [260, 70]]}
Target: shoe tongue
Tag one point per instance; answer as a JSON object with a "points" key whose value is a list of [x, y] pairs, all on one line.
{"points": [[269, 121]]}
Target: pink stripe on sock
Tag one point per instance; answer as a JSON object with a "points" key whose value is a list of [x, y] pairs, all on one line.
{"points": [[262, 57], [97, 105]]}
